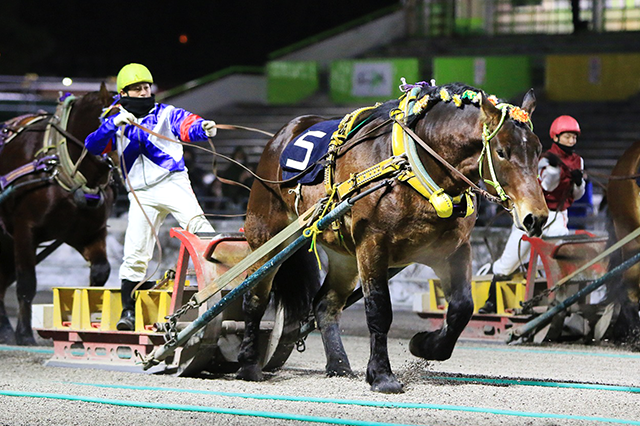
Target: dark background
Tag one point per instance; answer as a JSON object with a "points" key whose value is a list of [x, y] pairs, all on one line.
{"points": [[94, 39]]}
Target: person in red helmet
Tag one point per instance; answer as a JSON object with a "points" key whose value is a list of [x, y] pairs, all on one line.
{"points": [[561, 175]]}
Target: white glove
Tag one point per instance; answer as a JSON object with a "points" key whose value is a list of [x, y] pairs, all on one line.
{"points": [[209, 127], [125, 117]]}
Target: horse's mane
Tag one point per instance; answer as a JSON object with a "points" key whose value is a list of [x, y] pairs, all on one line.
{"points": [[435, 94]]}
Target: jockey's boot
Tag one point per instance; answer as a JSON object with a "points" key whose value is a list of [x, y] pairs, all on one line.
{"points": [[490, 305], [127, 320]]}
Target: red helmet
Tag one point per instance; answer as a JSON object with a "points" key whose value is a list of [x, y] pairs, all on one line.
{"points": [[564, 123]]}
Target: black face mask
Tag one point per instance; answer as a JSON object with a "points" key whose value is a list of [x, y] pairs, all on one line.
{"points": [[566, 149], [138, 106]]}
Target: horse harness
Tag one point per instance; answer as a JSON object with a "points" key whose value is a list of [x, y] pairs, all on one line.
{"points": [[405, 165], [53, 157]]}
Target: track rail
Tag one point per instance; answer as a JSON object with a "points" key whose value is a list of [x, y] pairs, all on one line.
{"points": [[303, 418]]}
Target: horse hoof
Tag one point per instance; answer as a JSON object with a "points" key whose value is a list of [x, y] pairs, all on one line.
{"points": [[25, 341], [250, 373], [7, 337], [388, 385], [426, 345]]}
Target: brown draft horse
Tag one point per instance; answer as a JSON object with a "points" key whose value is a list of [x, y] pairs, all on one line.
{"points": [[623, 200], [44, 211], [392, 228]]}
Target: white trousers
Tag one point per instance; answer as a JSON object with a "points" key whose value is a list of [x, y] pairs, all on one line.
{"points": [[556, 226], [171, 195]]}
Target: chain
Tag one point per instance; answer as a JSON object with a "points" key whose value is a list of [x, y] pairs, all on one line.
{"points": [[527, 306], [170, 328], [301, 346]]}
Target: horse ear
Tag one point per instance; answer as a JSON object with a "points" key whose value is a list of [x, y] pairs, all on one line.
{"points": [[529, 102], [105, 96], [489, 113]]}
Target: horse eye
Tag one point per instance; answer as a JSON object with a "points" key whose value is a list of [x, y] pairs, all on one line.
{"points": [[501, 154]]}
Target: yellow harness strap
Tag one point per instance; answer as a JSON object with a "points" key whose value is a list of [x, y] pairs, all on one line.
{"points": [[357, 180], [337, 139], [417, 177]]}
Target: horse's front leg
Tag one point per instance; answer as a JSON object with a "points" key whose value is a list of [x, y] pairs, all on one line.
{"points": [[254, 305], [25, 261], [95, 252], [455, 277], [7, 276], [373, 263], [7, 335]]}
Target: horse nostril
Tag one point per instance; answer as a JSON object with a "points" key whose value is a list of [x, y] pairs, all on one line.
{"points": [[533, 225]]}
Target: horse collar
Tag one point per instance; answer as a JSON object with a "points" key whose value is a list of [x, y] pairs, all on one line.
{"points": [[417, 176], [55, 143]]}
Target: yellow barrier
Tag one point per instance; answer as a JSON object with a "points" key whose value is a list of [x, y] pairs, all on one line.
{"points": [[97, 308], [509, 294]]}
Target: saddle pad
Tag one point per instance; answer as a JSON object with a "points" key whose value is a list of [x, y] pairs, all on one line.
{"points": [[305, 150]]}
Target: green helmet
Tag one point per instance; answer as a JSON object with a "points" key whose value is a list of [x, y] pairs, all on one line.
{"points": [[132, 74]]}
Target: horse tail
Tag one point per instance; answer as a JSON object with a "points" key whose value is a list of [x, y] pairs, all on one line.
{"points": [[297, 282]]}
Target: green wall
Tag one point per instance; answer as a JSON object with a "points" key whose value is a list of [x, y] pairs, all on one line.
{"points": [[291, 81], [372, 80], [503, 76]]}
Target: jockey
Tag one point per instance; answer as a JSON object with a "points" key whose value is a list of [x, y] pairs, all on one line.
{"points": [[561, 175], [154, 170]]}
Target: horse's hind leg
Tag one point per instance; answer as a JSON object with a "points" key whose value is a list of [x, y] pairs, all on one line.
{"points": [[254, 304], [456, 281], [328, 305]]}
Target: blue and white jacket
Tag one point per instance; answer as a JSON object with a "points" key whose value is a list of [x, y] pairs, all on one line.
{"points": [[149, 159]]}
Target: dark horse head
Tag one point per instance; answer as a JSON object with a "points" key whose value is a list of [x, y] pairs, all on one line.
{"points": [[477, 135], [41, 209], [495, 139]]}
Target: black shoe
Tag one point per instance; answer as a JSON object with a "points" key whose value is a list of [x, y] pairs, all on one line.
{"points": [[127, 321], [488, 308]]}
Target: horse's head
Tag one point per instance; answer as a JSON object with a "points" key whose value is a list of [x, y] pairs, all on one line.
{"points": [[510, 162], [84, 118], [85, 114]]}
